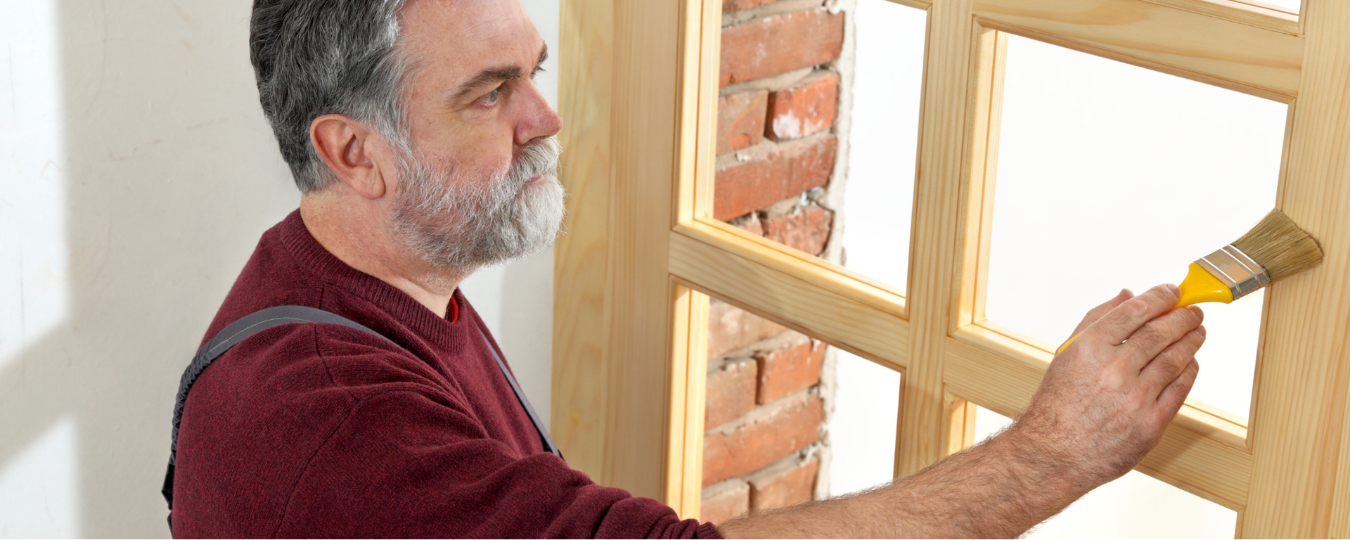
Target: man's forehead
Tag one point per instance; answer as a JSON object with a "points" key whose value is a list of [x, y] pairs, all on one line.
{"points": [[470, 32]]}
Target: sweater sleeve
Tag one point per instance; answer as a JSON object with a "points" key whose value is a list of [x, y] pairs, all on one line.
{"points": [[405, 465]]}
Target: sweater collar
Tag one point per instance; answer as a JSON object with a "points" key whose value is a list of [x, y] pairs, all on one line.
{"points": [[397, 304]]}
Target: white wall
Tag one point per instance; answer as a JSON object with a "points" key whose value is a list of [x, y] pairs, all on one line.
{"points": [[136, 174], [516, 300]]}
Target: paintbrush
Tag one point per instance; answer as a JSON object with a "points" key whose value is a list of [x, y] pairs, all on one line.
{"points": [[1274, 249]]}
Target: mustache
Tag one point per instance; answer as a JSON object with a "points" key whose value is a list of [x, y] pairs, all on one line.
{"points": [[536, 159], [423, 193]]}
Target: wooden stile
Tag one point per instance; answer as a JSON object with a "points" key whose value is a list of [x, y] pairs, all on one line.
{"points": [[945, 157], [1299, 411], [613, 406]]}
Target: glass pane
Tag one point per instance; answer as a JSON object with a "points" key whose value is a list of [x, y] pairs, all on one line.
{"points": [[1133, 506], [818, 113], [863, 424], [789, 419], [1115, 176], [765, 414], [888, 86]]}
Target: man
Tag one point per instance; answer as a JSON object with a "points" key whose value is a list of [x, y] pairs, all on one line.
{"points": [[425, 152]]}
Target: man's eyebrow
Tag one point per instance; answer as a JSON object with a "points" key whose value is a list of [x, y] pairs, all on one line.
{"points": [[488, 76], [496, 74], [543, 55]]}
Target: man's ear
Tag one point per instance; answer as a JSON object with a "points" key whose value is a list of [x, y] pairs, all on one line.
{"points": [[346, 145]]}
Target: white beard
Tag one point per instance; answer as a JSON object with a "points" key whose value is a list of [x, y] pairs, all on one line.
{"points": [[460, 224]]}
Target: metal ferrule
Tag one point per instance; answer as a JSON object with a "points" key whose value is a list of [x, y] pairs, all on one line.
{"points": [[1236, 270]]}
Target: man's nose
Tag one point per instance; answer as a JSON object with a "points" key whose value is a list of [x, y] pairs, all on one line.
{"points": [[540, 120]]}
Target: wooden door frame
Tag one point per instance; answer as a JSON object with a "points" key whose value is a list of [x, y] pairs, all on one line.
{"points": [[638, 92]]}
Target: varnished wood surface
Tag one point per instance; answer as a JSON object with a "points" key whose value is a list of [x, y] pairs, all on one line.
{"points": [[945, 160], [582, 311], [1209, 49], [792, 289], [1199, 453], [619, 91], [1299, 411]]}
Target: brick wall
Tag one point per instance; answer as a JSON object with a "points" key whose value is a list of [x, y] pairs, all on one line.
{"points": [[778, 143]]}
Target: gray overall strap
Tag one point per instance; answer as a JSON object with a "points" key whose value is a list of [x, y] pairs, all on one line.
{"points": [[258, 321], [228, 337], [538, 425]]}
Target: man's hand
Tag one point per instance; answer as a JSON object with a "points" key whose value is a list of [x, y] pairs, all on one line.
{"points": [[1106, 400], [1104, 403]]}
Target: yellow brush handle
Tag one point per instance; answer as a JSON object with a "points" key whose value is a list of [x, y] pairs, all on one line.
{"points": [[1199, 286], [1067, 343]]}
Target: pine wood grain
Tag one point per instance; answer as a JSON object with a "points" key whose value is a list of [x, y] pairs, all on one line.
{"points": [[1161, 37], [612, 384], [1199, 453], [581, 263], [797, 291], [1223, 425], [1299, 414], [945, 157], [1269, 17], [698, 52], [644, 160], [977, 210], [701, 57], [688, 365], [959, 415], [1340, 502]]}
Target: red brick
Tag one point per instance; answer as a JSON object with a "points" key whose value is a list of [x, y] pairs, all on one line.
{"points": [[787, 371], [730, 392], [729, 6], [745, 186], [740, 120], [779, 44], [784, 487], [811, 107], [724, 502], [807, 229], [748, 448], [751, 225], [731, 328]]}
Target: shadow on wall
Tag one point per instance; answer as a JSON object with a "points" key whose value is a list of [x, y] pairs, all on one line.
{"points": [[515, 300], [170, 175]]}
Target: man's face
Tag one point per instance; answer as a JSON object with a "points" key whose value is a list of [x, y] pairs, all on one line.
{"points": [[480, 183]]}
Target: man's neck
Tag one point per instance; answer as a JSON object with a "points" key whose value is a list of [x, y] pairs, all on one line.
{"points": [[358, 236]]}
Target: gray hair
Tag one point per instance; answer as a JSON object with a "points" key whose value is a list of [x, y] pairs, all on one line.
{"points": [[317, 57]]}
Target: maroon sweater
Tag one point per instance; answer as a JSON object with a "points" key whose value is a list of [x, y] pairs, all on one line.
{"points": [[308, 430]]}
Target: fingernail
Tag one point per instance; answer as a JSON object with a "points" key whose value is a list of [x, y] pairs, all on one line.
{"points": [[1197, 311], [1125, 292], [1175, 290], [1201, 330]]}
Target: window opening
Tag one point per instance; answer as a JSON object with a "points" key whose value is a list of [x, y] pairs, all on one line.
{"points": [[1115, 176]]}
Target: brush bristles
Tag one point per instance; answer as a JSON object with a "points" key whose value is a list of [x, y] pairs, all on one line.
{"points": [[1280, 246]]}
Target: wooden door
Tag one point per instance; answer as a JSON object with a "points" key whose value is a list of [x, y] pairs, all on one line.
{"points": [[641, 250]]}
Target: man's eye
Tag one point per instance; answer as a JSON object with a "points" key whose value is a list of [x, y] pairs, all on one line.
{"points": [[491, 97]]}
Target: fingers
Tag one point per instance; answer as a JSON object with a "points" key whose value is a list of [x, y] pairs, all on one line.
{"points": [[1169, 364], [1160, 333], [1099, 311], [1172, 397], [1123, 321]]}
